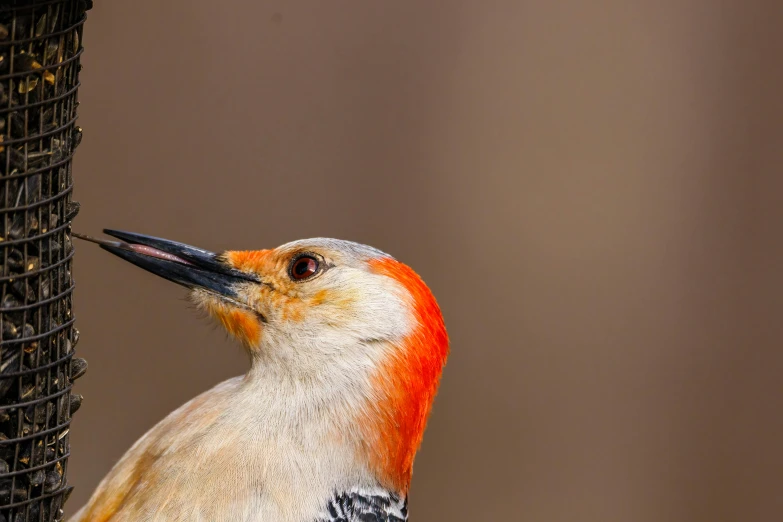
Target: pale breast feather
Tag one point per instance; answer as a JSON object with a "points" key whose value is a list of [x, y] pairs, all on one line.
{"points": [[365, 505]]}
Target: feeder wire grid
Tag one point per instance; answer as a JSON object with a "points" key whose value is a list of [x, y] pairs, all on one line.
{"points": [[40, 50]]}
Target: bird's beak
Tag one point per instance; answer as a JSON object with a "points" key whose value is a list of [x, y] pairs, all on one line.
{"points": [[188, 266]]}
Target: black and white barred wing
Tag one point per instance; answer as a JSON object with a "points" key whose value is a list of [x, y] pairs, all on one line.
{"points": [[362, 505]]}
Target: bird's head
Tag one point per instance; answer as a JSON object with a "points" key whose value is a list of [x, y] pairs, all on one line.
{"points": [[346, 322]]}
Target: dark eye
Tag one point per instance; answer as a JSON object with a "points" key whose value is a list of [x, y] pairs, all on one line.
{"points": [[304, 267]]}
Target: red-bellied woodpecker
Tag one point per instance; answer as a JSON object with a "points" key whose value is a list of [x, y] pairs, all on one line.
{"points": [[347, 347]]}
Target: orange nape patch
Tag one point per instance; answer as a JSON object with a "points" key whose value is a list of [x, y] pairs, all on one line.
{"points": [[409, 381], [242, 324]]}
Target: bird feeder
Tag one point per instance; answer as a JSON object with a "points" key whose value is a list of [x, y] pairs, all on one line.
{"points": [[40, 48]]}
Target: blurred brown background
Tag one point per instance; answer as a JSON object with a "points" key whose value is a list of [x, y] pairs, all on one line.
{"points": [[592, 190]]}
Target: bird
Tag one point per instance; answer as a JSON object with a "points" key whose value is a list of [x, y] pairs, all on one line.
{"points": [[347, 347]]}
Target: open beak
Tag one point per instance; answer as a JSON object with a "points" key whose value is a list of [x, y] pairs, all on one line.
{"points": [[188, 266]]}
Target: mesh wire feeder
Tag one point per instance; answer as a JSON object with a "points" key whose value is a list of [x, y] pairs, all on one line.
{"points": [[40, 47]]}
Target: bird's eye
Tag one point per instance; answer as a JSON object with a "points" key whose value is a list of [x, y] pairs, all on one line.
{"points": [[304, 267]]}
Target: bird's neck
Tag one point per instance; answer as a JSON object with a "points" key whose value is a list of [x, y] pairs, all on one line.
{"points": [[376, 398], [393, 428], [381, 415], [406, 384]]}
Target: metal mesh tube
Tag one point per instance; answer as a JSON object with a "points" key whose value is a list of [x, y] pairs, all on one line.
{"points": [[40, 47]]}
